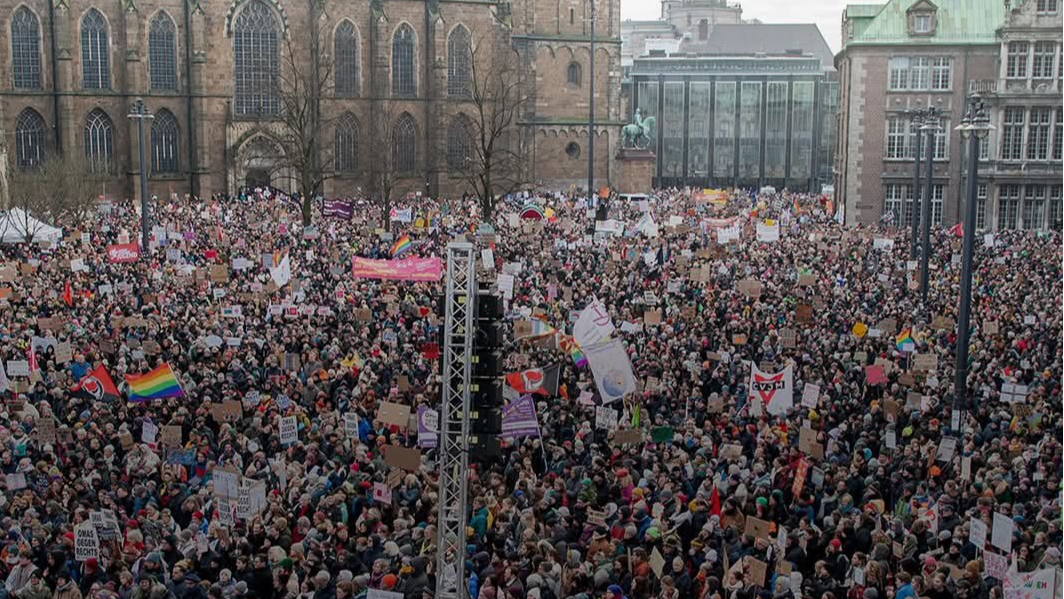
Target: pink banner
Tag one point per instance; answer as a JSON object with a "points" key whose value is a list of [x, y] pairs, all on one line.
{"points": [[123, 252], [410, 269]]}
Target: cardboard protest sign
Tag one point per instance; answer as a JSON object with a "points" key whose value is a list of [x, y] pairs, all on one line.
{"points": [[803, 313], [926, 362], [402, 457], [758, 528], [788, 338], [394, 413], [652, 317], [627, 437], [757, 571]]}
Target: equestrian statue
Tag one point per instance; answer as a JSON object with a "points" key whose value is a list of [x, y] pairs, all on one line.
{"points": [[637, 134]]}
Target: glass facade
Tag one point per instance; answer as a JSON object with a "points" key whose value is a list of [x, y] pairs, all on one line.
{"points": [[776, 130], [744, 122], [672, 126], [802, 129], [698, 130], [750, 130], [724, 125], [648, 104]]}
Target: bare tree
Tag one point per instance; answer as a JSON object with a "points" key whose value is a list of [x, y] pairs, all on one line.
{"points": [[492, 160], [300, 87], [51, 193], [381, 172]]}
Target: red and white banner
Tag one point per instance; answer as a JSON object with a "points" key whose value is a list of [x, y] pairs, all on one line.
{"points": [[123, 252], [410, 269], [776, 390]]}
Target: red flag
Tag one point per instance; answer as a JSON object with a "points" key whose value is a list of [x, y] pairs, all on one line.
{"points": [[714, 502], [31, 357], [957, 230], [97, 385], [543, 381], [68, 294]]}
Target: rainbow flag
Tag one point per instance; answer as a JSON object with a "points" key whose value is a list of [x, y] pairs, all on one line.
{"points": [[579, 359], [904, 340], [401, 245], [157, 384]]}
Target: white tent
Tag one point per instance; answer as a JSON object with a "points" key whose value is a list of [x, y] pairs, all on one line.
{"points": [[16, 223]]}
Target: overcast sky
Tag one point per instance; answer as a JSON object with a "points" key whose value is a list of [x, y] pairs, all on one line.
{"points": [[827, 14]]}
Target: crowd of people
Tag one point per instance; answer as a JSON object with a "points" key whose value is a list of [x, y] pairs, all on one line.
{"points": [[851, 493]]}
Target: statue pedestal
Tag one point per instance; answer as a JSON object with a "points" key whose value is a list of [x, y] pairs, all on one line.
{"points": [[636, 168]]}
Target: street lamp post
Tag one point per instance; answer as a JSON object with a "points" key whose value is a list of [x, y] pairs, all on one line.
{"points": [[974, 128], [591, 112], [931, 127], [140, 113], [917, 117]]}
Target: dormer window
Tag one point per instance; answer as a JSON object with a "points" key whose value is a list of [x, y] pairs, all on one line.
{"points": [[922, 18]]}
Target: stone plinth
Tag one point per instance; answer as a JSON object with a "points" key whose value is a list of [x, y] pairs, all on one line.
{"points": [[636, 170]]}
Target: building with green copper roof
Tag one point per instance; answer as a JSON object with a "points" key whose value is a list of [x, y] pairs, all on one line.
{"points": [[907, 55]]}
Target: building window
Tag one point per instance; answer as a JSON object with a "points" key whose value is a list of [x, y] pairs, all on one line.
{"points": [[29, 139], [1056, 208], [897, 200], [1016, 66], [459, 145], [1038, 134], [898, 138], [25, 50], [1047, 7], [404, 151], [942, 140], [162, 57], [1058, 134], [255, 60], [980, 206], [459, 60], [345, 53], [403, 62], [572, 150], [941, 73], [984, 148], [572, 74], [95, 55], [919, 73], [938, 193], [572, 16], [899, 73], [98, 141], [1008, 206], [922, 24], [1042, 61], [1012, 133], [164, 143], [345, 146], [1034, 206], [703, 30]]}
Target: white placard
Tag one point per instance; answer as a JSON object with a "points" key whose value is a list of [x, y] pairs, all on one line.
{"points": [[1001, 534], [289, 430], [86, 542], [977, 531], [810, 395]]}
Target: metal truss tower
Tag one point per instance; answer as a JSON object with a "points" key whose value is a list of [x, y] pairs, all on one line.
{"points": [[459, 333]]}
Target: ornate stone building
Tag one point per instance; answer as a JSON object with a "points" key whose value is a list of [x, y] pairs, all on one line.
{"points": [[911, 54], [70, 69]]}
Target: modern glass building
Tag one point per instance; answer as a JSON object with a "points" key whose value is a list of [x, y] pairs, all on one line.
{"points": [[737, 118]]}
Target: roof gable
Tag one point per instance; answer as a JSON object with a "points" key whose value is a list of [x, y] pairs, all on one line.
{"points": [[959, 22]]}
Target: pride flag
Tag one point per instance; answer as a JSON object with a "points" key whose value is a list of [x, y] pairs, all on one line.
{"points": [[579, 359], [401, 245], [904, 340], [157, 384]]}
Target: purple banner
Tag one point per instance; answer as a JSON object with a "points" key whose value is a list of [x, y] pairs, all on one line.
{"points": [[519, 418], [337, 209], [428, 427]]}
